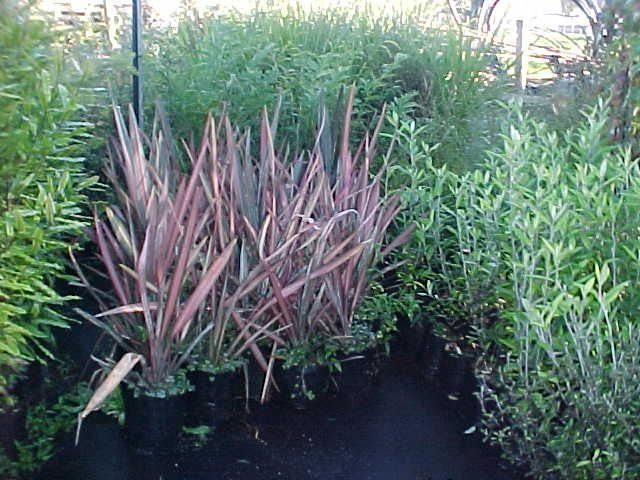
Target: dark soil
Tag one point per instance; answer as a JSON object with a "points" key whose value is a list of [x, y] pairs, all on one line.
{"points": [[401, 428]]}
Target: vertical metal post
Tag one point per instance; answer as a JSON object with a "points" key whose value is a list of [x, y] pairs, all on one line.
{"points": [[522, 55], [137, 60]]}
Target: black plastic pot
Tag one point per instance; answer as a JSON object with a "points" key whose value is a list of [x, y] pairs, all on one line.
{"points": [[443, 364], [249, 382], [358, 374], [459, 382], [211, 402], [302, 385], [453, 375], [12, 428], [152, 424], [432, 355], [411, 335]]}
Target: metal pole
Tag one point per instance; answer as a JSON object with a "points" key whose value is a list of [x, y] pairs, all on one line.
{"points": [[137, 60], [522, 55]]}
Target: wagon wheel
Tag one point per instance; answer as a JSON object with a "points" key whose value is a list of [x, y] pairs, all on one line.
{"points": [[464, 11], [478, 10]]}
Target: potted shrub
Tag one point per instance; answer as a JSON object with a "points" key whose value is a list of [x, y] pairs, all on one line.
{"points": [[224, 315], [355, 329], [279, 235], [323, 222], [164, 264], [355, 190]]}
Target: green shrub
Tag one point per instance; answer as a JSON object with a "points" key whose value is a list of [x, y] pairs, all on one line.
{"points": [[537, 253], [41, 184], [567, 394], [435, 287]]}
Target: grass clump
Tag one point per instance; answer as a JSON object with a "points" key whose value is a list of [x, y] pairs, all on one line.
{"points": [[243, 62]]}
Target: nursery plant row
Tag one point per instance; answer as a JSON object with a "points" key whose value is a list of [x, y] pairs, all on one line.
{"points": [[264, 255], [357, 175]]}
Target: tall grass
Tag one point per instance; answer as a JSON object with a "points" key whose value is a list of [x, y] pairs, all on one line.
{"points": [[243, 62]]}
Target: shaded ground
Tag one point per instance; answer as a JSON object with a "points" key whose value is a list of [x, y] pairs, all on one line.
{"points": [[401, 429]]}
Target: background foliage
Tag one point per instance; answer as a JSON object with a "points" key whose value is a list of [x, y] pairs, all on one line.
{"points": [[244, 62], [620, 68]]}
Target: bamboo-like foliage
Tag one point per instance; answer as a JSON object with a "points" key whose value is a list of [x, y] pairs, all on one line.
{"points": [[43, 185]]}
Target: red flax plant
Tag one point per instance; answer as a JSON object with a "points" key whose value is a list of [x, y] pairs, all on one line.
{"points": [[282, 255], [171, 255], [367, 215], [225, 310], [159, 255], [321, 236]]}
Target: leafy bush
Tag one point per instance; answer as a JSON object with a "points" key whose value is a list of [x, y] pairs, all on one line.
{"points": [[539, 251], [431, 285], [46, 421], [41, 188], [567, 392]]}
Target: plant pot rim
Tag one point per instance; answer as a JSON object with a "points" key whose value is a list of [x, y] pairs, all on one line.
{"points": [[137, 391]]}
